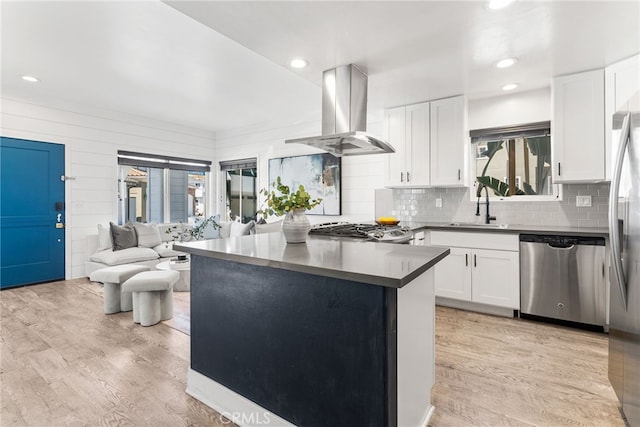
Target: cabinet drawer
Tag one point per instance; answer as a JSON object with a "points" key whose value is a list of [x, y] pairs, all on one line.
{"points": [[497, 241]]}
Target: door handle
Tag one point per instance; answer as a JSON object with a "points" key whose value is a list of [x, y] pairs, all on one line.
{"points": [[408, 179], [559, 169], [475, 261], [466, 260], [614, 232], [401, 176]]}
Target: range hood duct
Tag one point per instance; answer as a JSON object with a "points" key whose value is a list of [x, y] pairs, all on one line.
{"points": [[344, 116]]}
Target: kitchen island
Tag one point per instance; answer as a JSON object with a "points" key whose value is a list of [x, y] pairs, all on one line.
{"points": [[328, 332]]}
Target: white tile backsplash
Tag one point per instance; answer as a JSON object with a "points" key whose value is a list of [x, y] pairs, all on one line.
{"points": [[420, 205]]}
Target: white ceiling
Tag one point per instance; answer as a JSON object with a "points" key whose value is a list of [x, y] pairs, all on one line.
{"points": [[149, 59]]}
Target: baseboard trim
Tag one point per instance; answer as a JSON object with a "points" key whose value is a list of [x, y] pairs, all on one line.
{"points": [[473, 306], [229, 404], [239, 409]]}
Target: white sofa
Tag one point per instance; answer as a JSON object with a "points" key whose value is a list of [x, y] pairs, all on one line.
{"points": [[155, 244]]}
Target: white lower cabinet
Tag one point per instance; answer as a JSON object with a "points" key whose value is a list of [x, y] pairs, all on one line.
{"points": [[496, 278], [487, 271], [453, 275]]}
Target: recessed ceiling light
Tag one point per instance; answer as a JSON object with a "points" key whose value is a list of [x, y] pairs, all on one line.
{"points": [[505, 63], [510, 86], [298, 63], [30, 79], [498, 4]]}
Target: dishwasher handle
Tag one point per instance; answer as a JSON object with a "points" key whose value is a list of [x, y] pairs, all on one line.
{"points": [[561, 245]]}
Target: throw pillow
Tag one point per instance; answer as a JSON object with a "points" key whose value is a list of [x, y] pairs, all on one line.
{"points": [[104, 238], [240, 229], [162, 229], [225, 228], [211, 232], [123, 237], [148, 235]]}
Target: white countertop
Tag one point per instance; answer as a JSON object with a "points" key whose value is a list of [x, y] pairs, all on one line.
{"points": [[510, 228]]}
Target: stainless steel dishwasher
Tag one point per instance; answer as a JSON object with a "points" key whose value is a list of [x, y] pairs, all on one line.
{"points": [[563, 277]]}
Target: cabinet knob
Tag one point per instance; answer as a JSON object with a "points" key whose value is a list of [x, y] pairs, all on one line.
{"points": [[401, 176], [408, 177]]}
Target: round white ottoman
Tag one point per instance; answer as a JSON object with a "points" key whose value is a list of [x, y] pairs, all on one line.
{"points": [[115, 300], [152, 293]]}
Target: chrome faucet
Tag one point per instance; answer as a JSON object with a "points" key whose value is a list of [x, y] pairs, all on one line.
{"points": [[488, 218]]}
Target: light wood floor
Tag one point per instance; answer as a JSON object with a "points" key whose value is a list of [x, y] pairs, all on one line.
{"points": [[493, 371], [64, 363]]}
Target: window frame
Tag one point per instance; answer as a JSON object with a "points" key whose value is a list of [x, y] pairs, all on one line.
{"points": [[506, 133], [166, 164], [238, 164]]}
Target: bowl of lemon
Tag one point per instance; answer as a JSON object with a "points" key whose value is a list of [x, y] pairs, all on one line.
{"points": [[387, 220]]}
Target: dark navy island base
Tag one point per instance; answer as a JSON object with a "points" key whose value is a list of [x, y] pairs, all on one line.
{"points": [[277, 340]]}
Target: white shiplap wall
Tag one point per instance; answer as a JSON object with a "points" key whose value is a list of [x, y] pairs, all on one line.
{"points": [[92, 138]]}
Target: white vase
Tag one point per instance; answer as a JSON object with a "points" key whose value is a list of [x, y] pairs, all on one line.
{"points": [[296, 226]]}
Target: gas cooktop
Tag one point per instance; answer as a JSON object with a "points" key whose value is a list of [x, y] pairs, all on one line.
{"points": [[367, 232]]}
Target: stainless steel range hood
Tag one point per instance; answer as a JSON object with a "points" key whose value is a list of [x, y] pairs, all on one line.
{"points": [[344, 116]]}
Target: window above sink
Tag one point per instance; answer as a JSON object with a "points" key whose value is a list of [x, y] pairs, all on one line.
{"points": [[513, 163]]}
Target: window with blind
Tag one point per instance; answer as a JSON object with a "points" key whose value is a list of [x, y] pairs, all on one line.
{"points": [[161, 189], [241, 193], [513, 162]]}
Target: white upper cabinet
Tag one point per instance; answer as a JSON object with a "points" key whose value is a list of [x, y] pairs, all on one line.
{"points": [[622, 82], [429, 139], [407, 130], [395, 132], [448, 139], [577, 128], [418, 140]]}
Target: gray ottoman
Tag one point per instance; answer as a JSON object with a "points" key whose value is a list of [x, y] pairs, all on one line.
{"points": [[152, 295], [115, 300]]}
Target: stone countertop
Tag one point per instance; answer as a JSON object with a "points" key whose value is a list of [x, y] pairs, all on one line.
{"points": [[510, 228], [382, 264]]}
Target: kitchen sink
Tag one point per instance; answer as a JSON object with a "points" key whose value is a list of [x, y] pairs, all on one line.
{"points": [[477, 225]]}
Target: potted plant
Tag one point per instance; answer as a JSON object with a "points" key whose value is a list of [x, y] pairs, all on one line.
{"points": [[281, 201]]}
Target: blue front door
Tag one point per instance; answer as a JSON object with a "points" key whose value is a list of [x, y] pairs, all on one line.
{"points": [[31, 212]]}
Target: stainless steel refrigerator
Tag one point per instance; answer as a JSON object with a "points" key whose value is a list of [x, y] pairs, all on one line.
{"points": [[624, 234]]}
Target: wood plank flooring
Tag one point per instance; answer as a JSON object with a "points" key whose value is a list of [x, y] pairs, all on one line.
{"points": [[64, 363], [493, 371]]}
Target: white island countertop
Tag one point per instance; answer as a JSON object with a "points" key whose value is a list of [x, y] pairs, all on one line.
{"points": [[383, 264]]}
